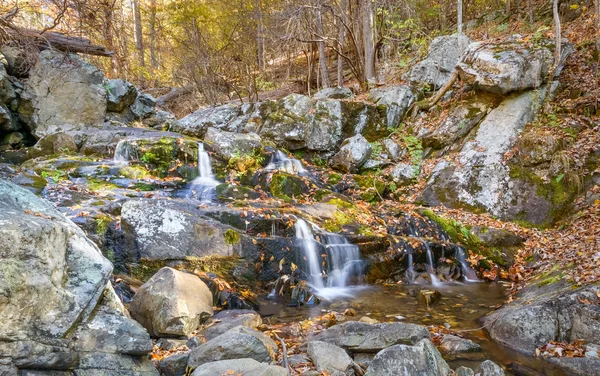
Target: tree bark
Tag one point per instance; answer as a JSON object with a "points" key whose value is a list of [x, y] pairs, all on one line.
{"points": [[508, 14], [341, 36], [459, 12], [138, 35], [557, 49], [260, 40], [597, 19], [368, 41], [322, 56], [61, 42], [152, 24]]}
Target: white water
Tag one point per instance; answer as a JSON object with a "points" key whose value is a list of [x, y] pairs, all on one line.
{"points": [[431, 267], [123, 153], [468, 273], [203, 187], [280, 161], [329, 280]]}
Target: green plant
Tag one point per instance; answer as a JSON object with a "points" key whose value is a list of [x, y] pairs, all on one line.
{"points": [[56, 176], [246, 162], [376, 149], [415, 150]]}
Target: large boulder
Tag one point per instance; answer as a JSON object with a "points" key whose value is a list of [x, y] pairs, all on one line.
{"points": [[247, 367], [226, 117], [361, 337], [480, 179], [334, 93], [552, 312], [65, 92], [443, 54], [230, 318], [121, 94], [489, 368], [172, 303], [504, 67], [355, 151], [329, 358], [168, 230], [396, 99], [237, 343], [422, 359], [230, 144], [454, 347], [58, 307]]}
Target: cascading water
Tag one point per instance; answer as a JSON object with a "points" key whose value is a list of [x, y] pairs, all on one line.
{"points": [[203, 187], [468, 273], [280, 161], [343, 261], [431, 267], [123, 153]]}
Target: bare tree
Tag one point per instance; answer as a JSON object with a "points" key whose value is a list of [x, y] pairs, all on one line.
{"points": [[321, 43], [260, 39], [557, 36], [152, 25], [341, 36], [137, 27], [597, 19], [368, 41], [459, 12]]}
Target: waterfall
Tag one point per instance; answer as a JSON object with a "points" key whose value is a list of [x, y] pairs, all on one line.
{"points": [[343, 261], [123, 153], [468, 273], [431, 267], [280, 161], [203, 187]]}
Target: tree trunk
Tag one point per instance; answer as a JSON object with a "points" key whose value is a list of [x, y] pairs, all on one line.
{"points": [[459, 13], [153, 59], [368, 41], [137, 27], [597, 19], [341, 36], [322, 57], [508, 8], [530, 11], [260, 40], [557, 49]]}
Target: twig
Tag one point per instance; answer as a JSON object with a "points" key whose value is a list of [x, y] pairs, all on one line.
{"points": [[427, 104], [284, 351]]}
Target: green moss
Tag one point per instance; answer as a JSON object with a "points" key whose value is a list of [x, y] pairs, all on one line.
{"points": [[133, 172], [339, 220], [285, 186], [144, 187], [222, 266], [100, 185], [333, 178], [340, 203], [102, 224], [232, 237]]}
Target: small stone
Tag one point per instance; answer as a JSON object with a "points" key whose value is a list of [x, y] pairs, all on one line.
{"points": [[464, 371], [368, 320], [591, 354], [193, 342], [169, 344]]}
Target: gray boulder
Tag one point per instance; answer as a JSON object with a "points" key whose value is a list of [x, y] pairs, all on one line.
{"points": [[328, 357], [443, 54], [404, 173], [237, 343], [143, 106], [65, 92], [229, 144], [454, 347], [121, 94], [168, 230], [464, 371], [554, 312], [489, 368], [354, 152], [397, 100], [334, 93], [174, 365], [55, 143], [422, 359], [504, 67], [7, 123], [172, 303], [393, 150], [362, 337], [230, 318], [226, 117], [480, 179], [247, 367]]}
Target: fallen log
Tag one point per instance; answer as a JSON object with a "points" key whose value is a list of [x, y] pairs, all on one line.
{"points": [[61, 42], [175, 93]]}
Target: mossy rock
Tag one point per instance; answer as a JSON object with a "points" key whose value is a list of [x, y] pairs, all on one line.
{"points": [[162, 156], [222, 266], [133, 172], [226, 192], [286, 186]]}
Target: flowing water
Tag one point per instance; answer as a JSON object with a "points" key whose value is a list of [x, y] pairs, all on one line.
{"points": [[468, 273], [330, 276], [280, 161], [431, 266], [123, 153], [203, 188]]}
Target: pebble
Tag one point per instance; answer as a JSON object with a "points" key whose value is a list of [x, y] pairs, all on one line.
{"points": [[591, 354]]}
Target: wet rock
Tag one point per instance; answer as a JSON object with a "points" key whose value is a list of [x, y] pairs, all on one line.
{"points": [[397, 100], [454, 347], [14, 139], [355, 151], [497, 237], [172, 303], [53, 144], [174, 365], [553, 312], [368, 320], [143, 106], [420, 359], [464, 371], [504, 67], [228, 319], [121, 94], [456, 125], [229, 192], [429, 296], [362, 337], [489, 368], [403, 174], [577, 366], [7, 123], [329, 358], [481, 180], [167, 230], [249, 367], [229, 144], [334, 93], [443, 54], [65, 92], [237, 343]]}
